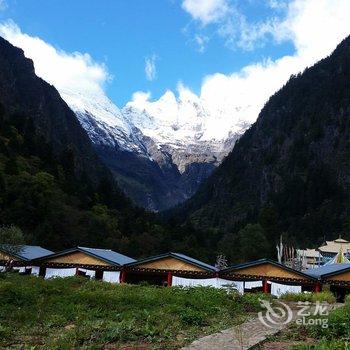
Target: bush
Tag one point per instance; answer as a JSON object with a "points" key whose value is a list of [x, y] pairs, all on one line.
{"points": [[192, 317], [295, 297], [250, 302], [337, 333], [325, 296], [338, 325]]}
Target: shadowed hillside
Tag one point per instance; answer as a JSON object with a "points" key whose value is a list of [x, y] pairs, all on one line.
{"points": [[291, 167]]}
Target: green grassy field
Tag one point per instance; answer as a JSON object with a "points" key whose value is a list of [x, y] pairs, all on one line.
{"points": [[337, 335], [77, 313]]}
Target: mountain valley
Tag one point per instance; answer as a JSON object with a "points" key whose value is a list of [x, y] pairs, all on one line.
{"points": [[161, 156]]}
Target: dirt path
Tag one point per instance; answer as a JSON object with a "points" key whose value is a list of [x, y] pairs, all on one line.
{"points": [[241, 337]]}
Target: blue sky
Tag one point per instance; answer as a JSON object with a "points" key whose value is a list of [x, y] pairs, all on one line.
{"points": [[122, 34]]}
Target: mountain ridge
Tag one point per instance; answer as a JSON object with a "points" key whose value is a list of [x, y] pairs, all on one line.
{"points": [[23, 92], [53, 185], [293, 159], [158, 160]]}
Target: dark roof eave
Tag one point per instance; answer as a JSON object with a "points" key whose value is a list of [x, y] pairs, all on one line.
{"points": [[173, 255], [14, 254], [264, 261], [334, 273], [76, 249]]}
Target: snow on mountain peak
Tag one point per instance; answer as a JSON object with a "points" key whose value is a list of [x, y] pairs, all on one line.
{"points": [[183, 120], [102, 119], [97, 104]]}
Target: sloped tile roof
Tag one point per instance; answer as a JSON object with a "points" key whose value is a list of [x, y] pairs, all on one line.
{"points": [[26, 252], [179, 256], [107, 254], [321, 271]]}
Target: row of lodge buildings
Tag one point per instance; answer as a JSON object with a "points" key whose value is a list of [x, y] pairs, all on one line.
{"points": [[173, 269]]}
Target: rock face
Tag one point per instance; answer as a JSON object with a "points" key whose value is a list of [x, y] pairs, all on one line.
{"points": [[158, 160], [23, 93], [294, 159], [159, 151], [53, 185]]}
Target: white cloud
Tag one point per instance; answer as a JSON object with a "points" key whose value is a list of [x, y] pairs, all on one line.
{"points": [[3, 5], [140, 97], [225, 102], [219, 15], [229, 23], [314, 27], [200, 41], [206, 11], [66, 71], [150, 67], [277, 4]]}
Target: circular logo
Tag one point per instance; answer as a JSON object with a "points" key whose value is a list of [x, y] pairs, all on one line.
{"points": [[275, 315]]}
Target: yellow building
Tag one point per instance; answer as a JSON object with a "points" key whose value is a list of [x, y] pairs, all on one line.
{"points": [[271, 274], [93, 262], [160, 269]]}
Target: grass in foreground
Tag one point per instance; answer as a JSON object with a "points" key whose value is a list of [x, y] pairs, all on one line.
{"points": [[336, 336], [76, 313]]}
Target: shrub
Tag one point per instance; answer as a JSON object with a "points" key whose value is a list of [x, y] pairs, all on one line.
{"points": [[295, 297], [337, 333], [192, 317], [325, 296], [338, 325], [5, 332], [250, 302]]}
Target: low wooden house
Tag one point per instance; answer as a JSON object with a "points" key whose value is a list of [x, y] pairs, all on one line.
{"points": [[336, 276], [160, 269], [270, 276], [20, 256], [98, 263]]}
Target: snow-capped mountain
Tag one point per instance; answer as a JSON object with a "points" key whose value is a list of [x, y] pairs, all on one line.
{"points": [[181, 121], [161, 151], [102, 119]]}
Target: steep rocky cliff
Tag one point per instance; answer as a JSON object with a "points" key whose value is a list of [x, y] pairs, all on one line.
{"points": [[22, 93], [53, 186]]}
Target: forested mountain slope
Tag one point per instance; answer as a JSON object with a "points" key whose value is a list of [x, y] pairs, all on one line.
{"points": [[292, 165], [52, 184]]}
